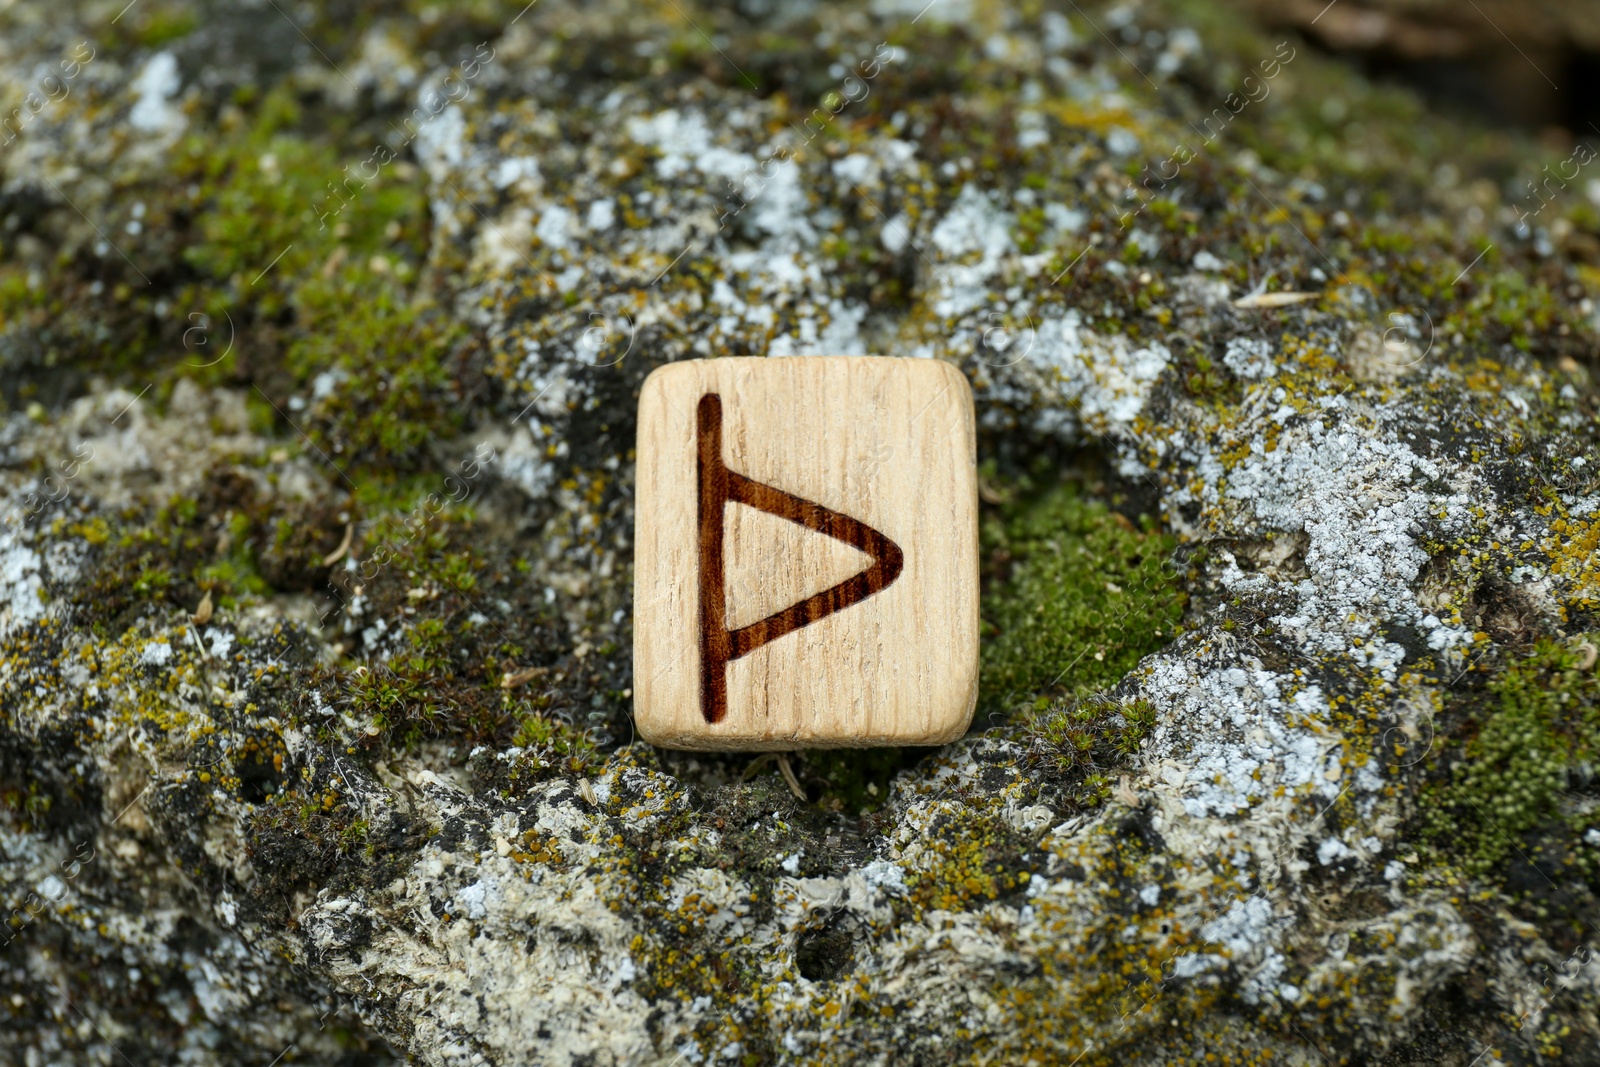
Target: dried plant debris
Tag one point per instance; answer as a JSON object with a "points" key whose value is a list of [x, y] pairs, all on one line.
{"points": [[324, 329]]}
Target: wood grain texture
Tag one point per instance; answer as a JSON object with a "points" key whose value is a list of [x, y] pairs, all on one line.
{"points": [[872, 453]]}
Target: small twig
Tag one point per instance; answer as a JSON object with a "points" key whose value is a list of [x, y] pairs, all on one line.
{"points": [[510, 680], [344, 546], [194, 639], [1273, 300], [334, 261], [755, 765], [788, 776]]}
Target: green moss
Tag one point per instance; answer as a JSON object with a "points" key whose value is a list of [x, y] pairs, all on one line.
{"points": [[422, 691], [312, 238], [230, 539], [554, 747], [1499, 782], [432, 545], [472, 662], [29, 803], [55, 335], [1202, 378], [384, 491], [252, 192], [1078, 595], [392, 354], [1084, 741], [309, 820], [1511, 308], [163, 24], [143, 559], [297, 251]]}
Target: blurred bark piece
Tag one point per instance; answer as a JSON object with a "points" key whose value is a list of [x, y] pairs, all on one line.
{"points": [[1532, 64]]}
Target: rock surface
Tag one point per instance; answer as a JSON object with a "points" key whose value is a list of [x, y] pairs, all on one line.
{"points": [[322, 333]]}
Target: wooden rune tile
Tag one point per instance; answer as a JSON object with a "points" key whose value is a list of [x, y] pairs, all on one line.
{"points": [[806, 554]]}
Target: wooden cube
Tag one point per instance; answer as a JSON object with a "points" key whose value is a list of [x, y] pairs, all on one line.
{"points": [[806, 554]]}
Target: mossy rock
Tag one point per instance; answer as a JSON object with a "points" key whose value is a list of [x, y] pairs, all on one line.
{"points": [[314, 702]]}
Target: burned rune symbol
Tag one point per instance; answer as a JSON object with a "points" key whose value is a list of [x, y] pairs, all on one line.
{"points": [[718, 485]]}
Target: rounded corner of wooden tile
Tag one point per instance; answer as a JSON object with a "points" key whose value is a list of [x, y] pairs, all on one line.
{"points": [[664, 376], [649, 729], [962, 705]]}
